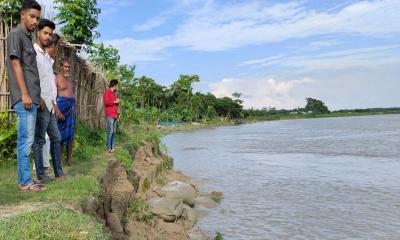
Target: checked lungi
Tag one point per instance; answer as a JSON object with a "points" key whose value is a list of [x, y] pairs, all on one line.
{"points": [[67, 106]]}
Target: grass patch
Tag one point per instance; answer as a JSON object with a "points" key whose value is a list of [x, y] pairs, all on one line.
{"points": [[52, 224], [139, 210], [88, 165], [161, 180], [137, 205], [146, 184], [125, 158], [216, 199], [218, 236], [168, 162]]}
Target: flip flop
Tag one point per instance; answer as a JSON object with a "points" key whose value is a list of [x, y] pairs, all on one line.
{"points": [[34, 187]]}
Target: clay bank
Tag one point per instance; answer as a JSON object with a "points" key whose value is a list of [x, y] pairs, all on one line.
{"points": [[150, 201]]}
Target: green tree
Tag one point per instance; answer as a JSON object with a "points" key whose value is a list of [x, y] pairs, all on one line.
{"points": [[10, 10], [316, 106], [181, 92], [227, 107], [79, 19], [106, 58]]}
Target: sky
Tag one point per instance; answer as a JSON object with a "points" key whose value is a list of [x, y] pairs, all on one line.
{"points": [[275, 53]]}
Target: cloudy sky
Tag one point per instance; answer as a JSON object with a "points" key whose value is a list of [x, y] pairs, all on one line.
{"points": [[276, 53]]}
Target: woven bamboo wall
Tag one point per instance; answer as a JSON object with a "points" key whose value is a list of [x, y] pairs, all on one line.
{"points": [[4, 94], [89, 83]]}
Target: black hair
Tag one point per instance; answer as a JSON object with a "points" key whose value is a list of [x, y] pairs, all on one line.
{"points": [[45, 23], [29, 4], [113, 82], [64, 60], [55, 39]]}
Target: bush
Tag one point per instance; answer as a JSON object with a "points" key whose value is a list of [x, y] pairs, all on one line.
{"points": [[140, 210], [8, 139], [219, 236], [125, 158]]}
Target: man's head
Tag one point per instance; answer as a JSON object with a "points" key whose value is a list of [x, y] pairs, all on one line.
{"points": [[45, 30], [65, 67], [30, 14], [113, 84], [52, 47]]}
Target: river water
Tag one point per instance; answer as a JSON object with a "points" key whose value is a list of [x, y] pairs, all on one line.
{"points": [[331, 178]]}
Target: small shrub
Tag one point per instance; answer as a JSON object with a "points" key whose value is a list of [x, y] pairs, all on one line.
{"points": [[218, 236], [126, 159], [138, 205], [161, 180], [216, 199], [8, 139], [140, 210], [168, 163], [146, 184]]}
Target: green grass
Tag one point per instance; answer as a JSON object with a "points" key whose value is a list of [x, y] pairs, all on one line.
{"points": [[139, 210], [89, 164], [216, 199], [90, 161], [137, 205], [52, 223], [125, 158], [218, 236]]}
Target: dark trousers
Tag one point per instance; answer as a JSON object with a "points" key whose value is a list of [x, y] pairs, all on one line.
{"points": [[46, 122]]}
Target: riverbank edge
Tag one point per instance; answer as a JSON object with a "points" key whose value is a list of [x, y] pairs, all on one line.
{"points": [[92, 202]]}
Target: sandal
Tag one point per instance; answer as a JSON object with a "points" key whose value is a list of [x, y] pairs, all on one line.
{"points": [[45, 179], [34, 187], [63, 177]]}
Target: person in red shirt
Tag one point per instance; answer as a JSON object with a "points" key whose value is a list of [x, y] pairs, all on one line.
{"points": [[111, 103]]}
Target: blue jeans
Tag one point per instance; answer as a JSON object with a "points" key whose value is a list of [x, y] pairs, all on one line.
{"points": [[25, 136], [111, 130], [46, 122]]}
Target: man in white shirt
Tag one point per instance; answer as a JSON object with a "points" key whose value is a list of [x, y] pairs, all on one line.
{"points": [[48, 110], [52, 51]]}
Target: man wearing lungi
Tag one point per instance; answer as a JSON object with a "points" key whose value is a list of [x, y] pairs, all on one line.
{"points": [[67, 105]]}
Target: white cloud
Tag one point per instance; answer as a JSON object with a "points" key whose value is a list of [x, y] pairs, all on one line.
{"points": [[371, 57], [263, 93], [150, 24], [261, 61], [217, 27], [132, 51], [324, 43]]}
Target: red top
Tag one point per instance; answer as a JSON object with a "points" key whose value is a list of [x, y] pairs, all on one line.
{"points": [[110, 108]]}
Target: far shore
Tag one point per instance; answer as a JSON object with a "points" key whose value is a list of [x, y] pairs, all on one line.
{"points": [[165, 130]]}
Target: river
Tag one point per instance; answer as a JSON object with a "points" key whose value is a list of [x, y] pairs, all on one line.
{"points": [[327, 178]]}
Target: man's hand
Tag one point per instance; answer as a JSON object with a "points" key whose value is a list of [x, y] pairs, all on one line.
{"points": [[42, 105], [58, 113], [27, 101], [116, 101]]}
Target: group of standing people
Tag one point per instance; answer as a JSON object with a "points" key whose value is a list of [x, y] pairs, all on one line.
{"points": [[43, 100]]}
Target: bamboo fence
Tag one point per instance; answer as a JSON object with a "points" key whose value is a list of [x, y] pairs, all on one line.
{"points": [[89, 84]]}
